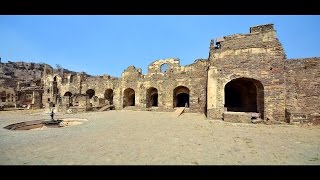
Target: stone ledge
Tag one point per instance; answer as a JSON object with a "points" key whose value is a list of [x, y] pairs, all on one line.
{"points": [[237, 117]]}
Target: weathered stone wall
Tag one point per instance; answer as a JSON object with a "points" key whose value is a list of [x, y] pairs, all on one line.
{"points": [[30, 97], [100, 84], [259, 56], [37, 99], [252, 64], [57, 85], [25, 99], [7, 96], [25, 81], [192, 77], [130, 78], [302, 86]]}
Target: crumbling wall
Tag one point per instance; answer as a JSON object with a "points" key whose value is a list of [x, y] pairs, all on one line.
{"points": [[302, 86], [100, 84], [37, 99], [17, 75], [254, 62], [59, 82], [130, 78], [192, 76], [7, 96], [70, 83], [75, 86], [258, 56]]}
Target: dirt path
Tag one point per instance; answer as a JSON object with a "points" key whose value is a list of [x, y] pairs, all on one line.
{"points": [[150, 138]]}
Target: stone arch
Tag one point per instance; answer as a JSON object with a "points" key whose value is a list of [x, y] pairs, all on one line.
{"points": [[108, 95], [152, 97], [90, 93], [3, 96], [68, 94], [181, 97], [244, 95], [128, 97]]}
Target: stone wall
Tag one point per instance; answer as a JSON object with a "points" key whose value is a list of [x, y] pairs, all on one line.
{"points": [[16, 77], [302, 86], [192, 76], [245, 73], [7, 96], [257, 56]]}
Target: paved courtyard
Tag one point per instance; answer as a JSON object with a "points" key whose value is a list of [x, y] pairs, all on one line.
{"points": [[155, 138]]}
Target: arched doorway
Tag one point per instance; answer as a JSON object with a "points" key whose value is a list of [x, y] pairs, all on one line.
{"points": [[152, 97], [128, 97], [90, 93], [68, 94], [108, 95], [244, 95], [3, 96], [181, 96]]}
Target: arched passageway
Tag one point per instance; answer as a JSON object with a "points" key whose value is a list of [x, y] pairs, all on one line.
{"points": [[244, 95], [152, 97], [108, 95], [128, 97], [68, 94], [90, 93], [181, 97]]}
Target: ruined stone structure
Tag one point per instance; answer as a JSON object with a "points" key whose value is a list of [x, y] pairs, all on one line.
{"points": [[247, 74], [245, 77], [7, 96], [250, 73], [20, 84], [302, 89], [174, 86]]}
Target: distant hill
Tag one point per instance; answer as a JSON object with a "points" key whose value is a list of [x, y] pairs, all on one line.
{"points": [[13, 72]]}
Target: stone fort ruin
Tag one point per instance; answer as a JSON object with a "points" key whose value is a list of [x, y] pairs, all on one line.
{"points": [[246, 76]]}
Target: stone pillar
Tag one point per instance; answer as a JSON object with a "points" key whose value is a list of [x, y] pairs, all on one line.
{"points": [[36, 100], [82, 99], [66, 101], [117, 98], [214, 109]]}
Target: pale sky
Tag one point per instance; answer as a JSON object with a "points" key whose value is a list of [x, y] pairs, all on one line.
{"points": [[108, 44]]}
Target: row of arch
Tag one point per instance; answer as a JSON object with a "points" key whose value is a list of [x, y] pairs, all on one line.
{"points": [[180, 96], [108, 95], [64, 80], [241, 95]]}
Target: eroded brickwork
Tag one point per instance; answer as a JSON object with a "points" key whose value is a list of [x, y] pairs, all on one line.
{"points": [[257, 56], [133, 89], [302, 87], [20, 84]]}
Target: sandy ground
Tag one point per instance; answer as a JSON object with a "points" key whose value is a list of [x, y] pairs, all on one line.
{"points": [[151, 138]]}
